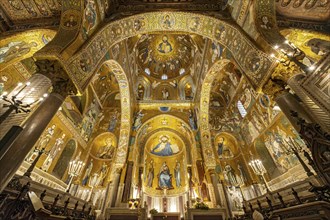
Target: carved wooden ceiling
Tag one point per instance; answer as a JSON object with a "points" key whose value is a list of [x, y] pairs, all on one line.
{"points": [[26, 14], [190, 5], [304, 14], [316, 10], [16, 15], [25, 9]]}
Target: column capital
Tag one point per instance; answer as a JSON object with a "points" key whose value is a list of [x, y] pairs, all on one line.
{"points": [[276, 85], [61, 82], [286, 71], [274, 88], [211, 172]]}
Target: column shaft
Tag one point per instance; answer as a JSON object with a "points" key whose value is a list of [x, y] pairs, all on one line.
{"points": [[227, 203], [317, 111], [114, 190], [288, 102], [216, 189], [32, 129]]}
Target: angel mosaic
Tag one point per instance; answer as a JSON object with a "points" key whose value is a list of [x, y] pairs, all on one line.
{"points": [[15, 49]]}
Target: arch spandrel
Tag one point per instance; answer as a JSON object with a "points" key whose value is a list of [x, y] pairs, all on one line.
{"points": [[125, 118], [83, 64], [23, 45]]}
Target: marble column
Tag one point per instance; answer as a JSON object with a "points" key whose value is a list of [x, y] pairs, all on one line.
{"points": [[187, 199], [312, 99], [276, 87], [119, 195], [215, 181], [287, 103], [114, 189], [32, 129], [38, 120], [128, 182], [227, 203]]}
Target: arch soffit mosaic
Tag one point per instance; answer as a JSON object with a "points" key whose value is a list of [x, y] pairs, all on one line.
{"points": [[183, 82], [95, 50], [208, 153], [125, 118], [266, 24]]}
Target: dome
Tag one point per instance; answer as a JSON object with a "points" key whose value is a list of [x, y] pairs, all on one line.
{"points": [[165, 56]]}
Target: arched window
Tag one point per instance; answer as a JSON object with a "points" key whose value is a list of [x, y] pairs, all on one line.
{"points": [[147, 71], [182, 71], [241, 108], [164, 77]]}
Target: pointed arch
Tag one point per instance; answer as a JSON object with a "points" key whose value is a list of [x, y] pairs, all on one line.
{"points": [[181, 124], [163, 123], [234, 146], [125, 119], [144, 81], [63, 161], [256, 64], [182, 84], [208, 153]]}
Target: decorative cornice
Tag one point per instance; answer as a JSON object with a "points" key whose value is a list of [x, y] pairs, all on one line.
{"points": [[274, 88], [177, 5], [155, 104], [284, 22], [285, 72], [277, 82], [61, 82]]}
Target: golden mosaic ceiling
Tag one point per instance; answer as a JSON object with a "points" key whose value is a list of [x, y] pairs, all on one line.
{"points": [[165, 56], [224, 87]]}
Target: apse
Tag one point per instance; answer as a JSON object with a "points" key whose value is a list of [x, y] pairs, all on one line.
{"points": [[164, 109]]}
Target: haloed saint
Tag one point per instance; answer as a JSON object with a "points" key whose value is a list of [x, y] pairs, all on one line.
{"points": [[164, 147]]}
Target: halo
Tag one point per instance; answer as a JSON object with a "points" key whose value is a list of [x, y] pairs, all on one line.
{"points": [[166, 136]]}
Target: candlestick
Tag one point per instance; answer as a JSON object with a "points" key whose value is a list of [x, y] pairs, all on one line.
{"points": [[259, 169], [15, 104], [75, 168]]}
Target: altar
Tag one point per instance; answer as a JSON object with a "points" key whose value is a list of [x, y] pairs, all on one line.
{"points": [[166, 215], [125, 213], [211, 214]]}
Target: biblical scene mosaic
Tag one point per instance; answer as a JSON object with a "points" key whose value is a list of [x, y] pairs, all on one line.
{"points": [[172, 107]]}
